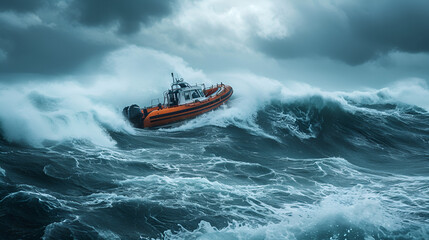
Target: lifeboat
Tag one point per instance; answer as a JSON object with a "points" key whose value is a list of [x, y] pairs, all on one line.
{"points": [[182, 101]]}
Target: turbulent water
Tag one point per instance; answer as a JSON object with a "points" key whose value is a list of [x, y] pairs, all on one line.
{"points": [[314, 166]]}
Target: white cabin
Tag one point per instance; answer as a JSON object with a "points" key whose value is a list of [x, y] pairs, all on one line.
{"points": [[182, 93]]}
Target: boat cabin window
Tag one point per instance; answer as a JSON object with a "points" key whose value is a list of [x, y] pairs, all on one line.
{"points": [[201, 93], [195, 94], [187, 95]]}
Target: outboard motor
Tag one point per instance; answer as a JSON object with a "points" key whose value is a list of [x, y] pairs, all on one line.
{"points": [[134, 114]]}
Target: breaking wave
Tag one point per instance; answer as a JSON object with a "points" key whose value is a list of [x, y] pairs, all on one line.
{"points": [[33, 117]]}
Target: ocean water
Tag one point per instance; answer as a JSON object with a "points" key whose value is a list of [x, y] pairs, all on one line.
{"points": [[280, 164]]}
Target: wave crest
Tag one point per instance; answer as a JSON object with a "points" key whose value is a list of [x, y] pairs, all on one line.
{"points": [[32, 116]]}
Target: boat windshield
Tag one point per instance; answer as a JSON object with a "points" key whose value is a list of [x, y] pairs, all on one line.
{"points": [[195, 94], [187, 95], [201, 93]]}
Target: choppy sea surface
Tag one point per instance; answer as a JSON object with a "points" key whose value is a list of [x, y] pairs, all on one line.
{"points": [[314, 166]]}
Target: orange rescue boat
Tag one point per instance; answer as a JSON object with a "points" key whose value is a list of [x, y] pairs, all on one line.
{"points": [[181, 102]]}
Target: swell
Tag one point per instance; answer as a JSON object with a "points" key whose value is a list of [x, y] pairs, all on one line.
{"points": [[391, 132]]}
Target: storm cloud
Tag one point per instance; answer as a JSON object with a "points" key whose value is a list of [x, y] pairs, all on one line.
{"points": [[49, 37], [21, 5], [354, 32], [369, 41], [128, 14], [46, 50]]}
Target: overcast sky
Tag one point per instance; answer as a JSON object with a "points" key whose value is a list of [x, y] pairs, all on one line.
{"points": [[332, 44]]}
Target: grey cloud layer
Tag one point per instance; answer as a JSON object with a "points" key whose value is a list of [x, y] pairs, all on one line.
{"points": [[60, 45], [129, 14], [78, 31], [46, 50], [20, 5], [355, 33]]}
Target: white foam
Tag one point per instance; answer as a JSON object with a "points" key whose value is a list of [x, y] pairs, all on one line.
{"points": [[50, 233], [356, 208], [68, 116]]}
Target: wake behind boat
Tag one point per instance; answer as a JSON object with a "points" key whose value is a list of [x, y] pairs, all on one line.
{"points": [[181, 102]]}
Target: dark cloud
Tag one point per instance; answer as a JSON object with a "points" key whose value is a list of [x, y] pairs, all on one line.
{"points": [[357, 33], [52, 44], [402, 25], [128, 14], [20, 5], [45, 50]]}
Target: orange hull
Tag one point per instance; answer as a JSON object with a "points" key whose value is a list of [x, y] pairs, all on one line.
{"points": [[166, 115]]}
